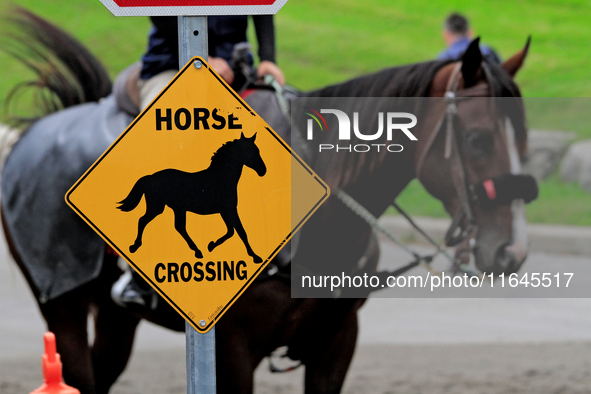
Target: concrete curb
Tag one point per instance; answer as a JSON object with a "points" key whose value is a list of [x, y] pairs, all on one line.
{"points": [[551, 238]]}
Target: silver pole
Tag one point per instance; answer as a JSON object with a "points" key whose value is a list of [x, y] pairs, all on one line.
{"points": [[192, 38], [201, 375]]}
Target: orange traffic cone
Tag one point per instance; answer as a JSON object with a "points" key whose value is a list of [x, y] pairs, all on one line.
{"points": [[52, 370]]}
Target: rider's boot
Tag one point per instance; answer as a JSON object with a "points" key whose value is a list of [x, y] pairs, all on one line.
{"points": [[131, 291]]}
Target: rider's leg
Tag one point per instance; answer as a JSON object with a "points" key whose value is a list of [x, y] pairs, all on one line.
{"points": [[133, 292], [150, 88]]}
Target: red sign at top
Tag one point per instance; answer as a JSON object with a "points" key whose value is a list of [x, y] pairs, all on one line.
{"points": [[192, 7], [188, 3]]}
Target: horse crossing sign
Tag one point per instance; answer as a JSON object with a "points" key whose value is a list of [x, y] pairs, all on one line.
{"points": [[197, 195]]}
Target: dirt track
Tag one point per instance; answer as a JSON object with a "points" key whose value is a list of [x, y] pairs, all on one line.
{"points": [[466, 346], [470, 369]]}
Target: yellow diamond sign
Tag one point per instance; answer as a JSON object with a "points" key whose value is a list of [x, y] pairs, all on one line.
{"points": [[197, 195]]}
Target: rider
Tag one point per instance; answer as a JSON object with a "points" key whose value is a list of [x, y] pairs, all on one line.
{"points": [[160, 64], [161, 61], [457, 36]]}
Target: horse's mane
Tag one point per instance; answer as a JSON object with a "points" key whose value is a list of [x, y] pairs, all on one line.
{"points": [[414, 80], [225, 152]]}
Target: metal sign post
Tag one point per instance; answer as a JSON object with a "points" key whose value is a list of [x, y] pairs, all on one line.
{"points": [[200, 348]]}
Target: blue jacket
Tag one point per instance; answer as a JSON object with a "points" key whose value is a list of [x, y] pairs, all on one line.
{"points": [[457, 49], [223, 33]]}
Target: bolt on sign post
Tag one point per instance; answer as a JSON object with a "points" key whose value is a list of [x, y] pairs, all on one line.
{"points": [[196, 193]]}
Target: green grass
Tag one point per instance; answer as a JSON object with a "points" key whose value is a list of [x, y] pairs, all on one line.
{"points": [[327, 41]]}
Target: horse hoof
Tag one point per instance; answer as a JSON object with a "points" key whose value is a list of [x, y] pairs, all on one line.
{"points": [[133, 248], [198, 254], [257, 259], [211, 246]]}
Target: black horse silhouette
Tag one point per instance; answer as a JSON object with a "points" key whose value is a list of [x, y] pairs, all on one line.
{"points": [[213, 190]]}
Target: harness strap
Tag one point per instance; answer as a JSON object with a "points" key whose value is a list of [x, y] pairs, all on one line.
{"points": [[454, 78], [450, 113], [280, 95], [424, 260], [452, 150], [458, 176], [370, 219], [430, 142]]}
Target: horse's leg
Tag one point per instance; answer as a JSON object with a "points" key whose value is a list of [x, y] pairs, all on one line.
{"points": [[232, 219], [230, 231], [329, 356], [114, 329], [246, 334], [114, 334], [235, 366], [180, 224], [66, 317], [152, 210]]}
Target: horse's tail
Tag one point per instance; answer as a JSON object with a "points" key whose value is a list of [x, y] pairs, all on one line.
{"points": [[134, 197], [67, 73]]}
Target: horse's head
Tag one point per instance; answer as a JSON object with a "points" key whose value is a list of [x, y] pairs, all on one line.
{"points": [[250, 154], [471, 159]]}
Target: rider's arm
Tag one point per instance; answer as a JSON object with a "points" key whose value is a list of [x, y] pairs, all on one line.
{"points": [[222, 67], [265, 31]]}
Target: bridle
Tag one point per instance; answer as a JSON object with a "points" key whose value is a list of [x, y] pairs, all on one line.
{"points": [[471, 194]]}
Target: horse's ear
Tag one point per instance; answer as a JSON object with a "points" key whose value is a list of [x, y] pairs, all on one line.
{"points": [[514, 63], [254, 137], [471, 62], [242, 135]]}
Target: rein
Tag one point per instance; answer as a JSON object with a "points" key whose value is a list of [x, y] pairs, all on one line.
{"points": [[423, 260], [455, 234]]}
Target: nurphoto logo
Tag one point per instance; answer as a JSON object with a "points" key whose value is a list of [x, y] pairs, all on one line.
{"points": [[394, 123]]}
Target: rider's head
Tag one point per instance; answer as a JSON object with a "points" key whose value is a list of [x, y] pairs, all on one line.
{"points": [[456, 26]]}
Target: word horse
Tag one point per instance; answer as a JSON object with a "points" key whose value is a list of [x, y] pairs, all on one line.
{"points": [[213, 190]]}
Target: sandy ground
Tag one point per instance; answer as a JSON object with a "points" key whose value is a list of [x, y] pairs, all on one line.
{"points": [[405, 345], [476, 368]]}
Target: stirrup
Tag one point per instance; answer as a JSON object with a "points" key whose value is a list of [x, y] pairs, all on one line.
{"points": [[127, 294]]}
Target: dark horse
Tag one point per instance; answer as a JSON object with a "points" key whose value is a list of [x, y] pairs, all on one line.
{"points": [[50, 247], [213, 190]]}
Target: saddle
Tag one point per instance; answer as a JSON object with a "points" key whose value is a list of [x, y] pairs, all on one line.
{"points": [[126, 89]]}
